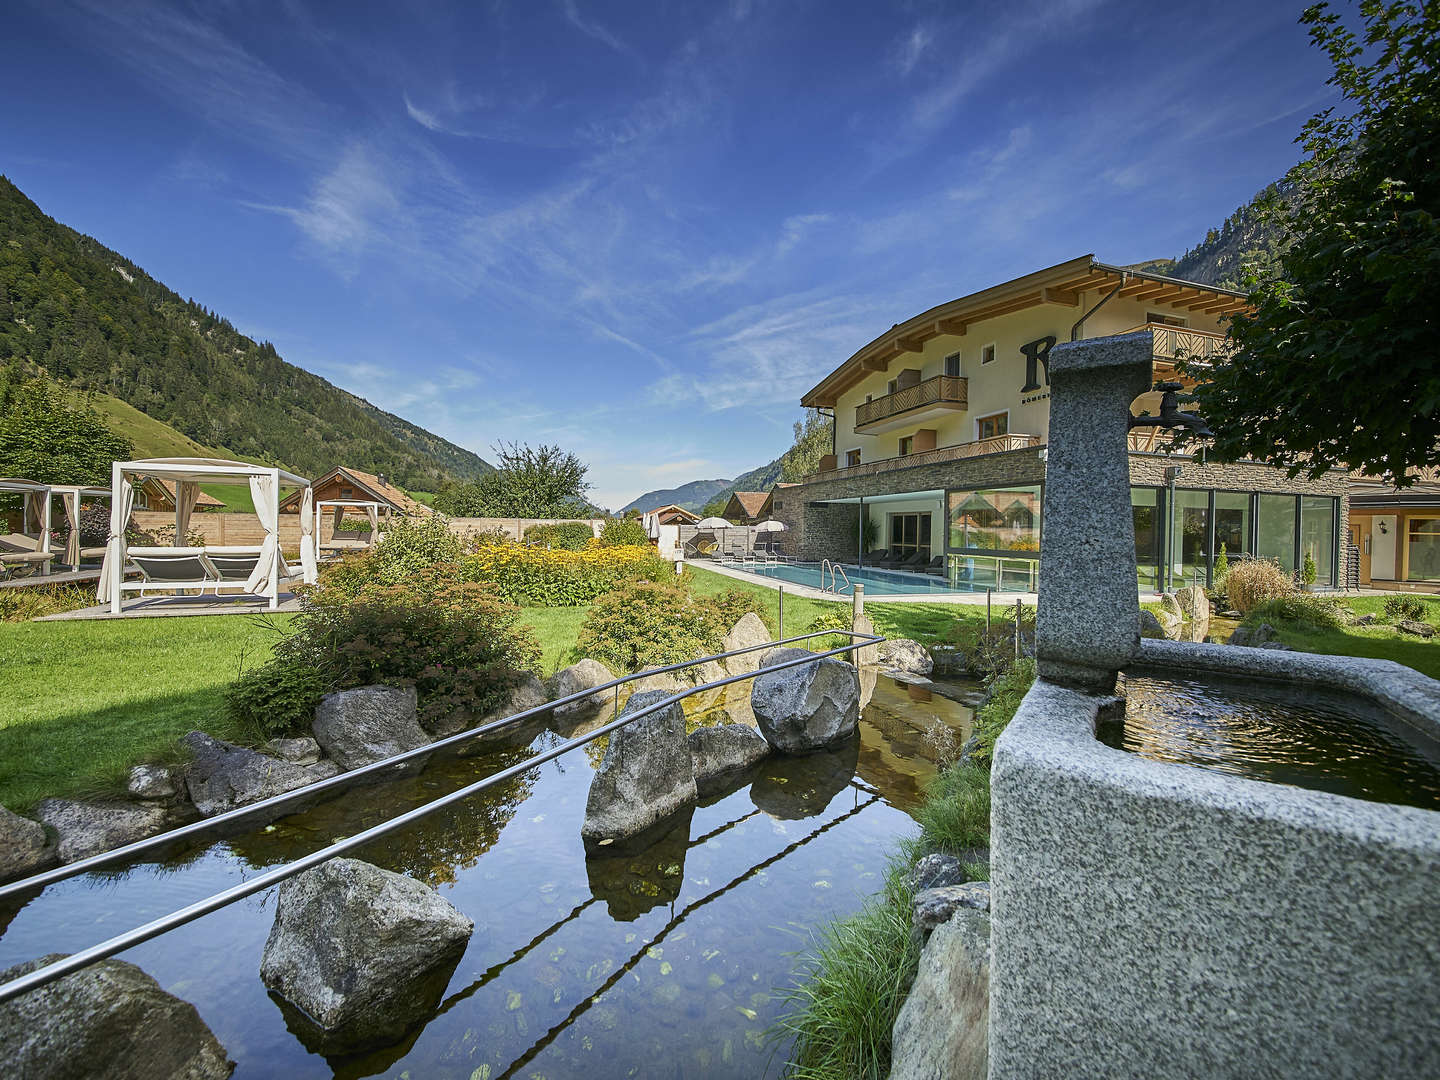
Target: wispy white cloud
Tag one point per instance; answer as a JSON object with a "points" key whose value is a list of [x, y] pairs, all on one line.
{"points": [[593, 29], [346, 210], [912, 46]]}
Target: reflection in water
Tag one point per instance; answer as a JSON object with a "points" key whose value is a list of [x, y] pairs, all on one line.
{"points": [[1280, 733], [622, 963]]}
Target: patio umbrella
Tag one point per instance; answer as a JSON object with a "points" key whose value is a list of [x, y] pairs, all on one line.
{"points": [[770, 526], [713, 523]]}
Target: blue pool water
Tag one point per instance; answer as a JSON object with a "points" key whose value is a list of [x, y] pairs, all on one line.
{"points": [[899, 583]]}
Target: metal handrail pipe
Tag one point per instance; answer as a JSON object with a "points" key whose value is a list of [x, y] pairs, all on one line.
{"points": [[165, 923], [340, 780]]}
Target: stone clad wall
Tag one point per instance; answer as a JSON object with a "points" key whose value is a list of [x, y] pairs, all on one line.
{"points": [[1173, 922], [818, 532]]}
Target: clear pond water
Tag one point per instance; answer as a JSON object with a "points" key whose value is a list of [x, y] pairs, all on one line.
{"points": [[1279, 733], [658, 963]]}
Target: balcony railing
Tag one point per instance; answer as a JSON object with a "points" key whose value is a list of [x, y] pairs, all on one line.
{"points": [[949, 390], [997, 444], [1172, 343]]}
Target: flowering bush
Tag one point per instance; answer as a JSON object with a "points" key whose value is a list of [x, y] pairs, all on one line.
{"points": [[537, 577]]}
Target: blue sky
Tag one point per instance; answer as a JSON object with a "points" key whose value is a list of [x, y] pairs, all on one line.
{"points": [[638, 231]]}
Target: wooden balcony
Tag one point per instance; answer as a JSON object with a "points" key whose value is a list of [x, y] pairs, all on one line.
{"points": [[934, 396], [1172, 343], [996, 445]]}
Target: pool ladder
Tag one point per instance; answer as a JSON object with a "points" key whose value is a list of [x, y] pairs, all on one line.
{"points": [[837, 573]]}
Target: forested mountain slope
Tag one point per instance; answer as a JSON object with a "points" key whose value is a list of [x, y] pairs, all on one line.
{"points": [[90, 317]]}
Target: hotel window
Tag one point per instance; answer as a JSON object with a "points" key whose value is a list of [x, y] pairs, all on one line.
{"points": [[987, 427], [1166, 320], [952, 365], [890, 387], [909, 533], [1424, 549], [987, 354], [1145, 509], [907, 445], [1317, 536], [852, 458]]}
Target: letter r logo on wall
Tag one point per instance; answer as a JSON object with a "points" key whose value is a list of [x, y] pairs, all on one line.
{"points": [[1037, 355]]}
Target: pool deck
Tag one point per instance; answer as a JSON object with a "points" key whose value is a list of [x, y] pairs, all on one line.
{"points": [[809, 592], [171, 607]]}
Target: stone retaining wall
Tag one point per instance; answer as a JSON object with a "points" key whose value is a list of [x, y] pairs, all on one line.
{"points": [[1161, 920]]}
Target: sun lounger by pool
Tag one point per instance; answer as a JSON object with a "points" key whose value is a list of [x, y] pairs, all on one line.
{"points": [[180, 569]]}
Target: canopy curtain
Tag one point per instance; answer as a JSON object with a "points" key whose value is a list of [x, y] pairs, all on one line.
{"points": [[308, 570], [121, 502], [263, 494], [37, 510], [71, 501], [187, 494]]}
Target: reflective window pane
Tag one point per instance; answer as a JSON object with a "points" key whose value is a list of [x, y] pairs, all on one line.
{"points": [[1317, 536], [1190, 537], [1424, 537], [1275, 520], [998, 519], [1145, 508], [1232, 523]]}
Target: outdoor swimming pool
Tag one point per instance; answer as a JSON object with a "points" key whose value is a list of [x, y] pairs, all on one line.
{"points": [[968, 575]]}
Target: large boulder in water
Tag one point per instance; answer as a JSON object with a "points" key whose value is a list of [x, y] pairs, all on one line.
{"points": [[646, 774], [748, 632], [109, 1019], [942, 1030], [24, 849], [583, 675], [362, 953], [807, 707], [525, 694], [84, 829], [361, 726], [905, 655], [222, 776], [720, 751]]}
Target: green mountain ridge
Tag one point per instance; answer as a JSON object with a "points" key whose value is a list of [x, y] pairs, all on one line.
{"points": [[691, 496], [93, 320]]}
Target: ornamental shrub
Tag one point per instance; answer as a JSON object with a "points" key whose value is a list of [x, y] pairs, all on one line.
{"points": [[1304, 608], [1308, 571], [456, 642], [1222, 568], [566, 535], [623, 532], [1404, 607], [648, 623], [1252, 581], [410, 545], [537, 577]]}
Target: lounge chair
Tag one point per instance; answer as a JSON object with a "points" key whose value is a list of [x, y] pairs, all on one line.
{"points": [[172, 569], [877, 558], [936, 566], [21, 554], [233, 565], [914, 561]]}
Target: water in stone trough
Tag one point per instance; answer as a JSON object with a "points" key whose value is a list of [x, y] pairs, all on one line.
{"points": [[656, 963]]}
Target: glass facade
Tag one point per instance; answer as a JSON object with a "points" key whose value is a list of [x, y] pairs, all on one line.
{"points": [[995, 519], [1317, 535], [1275, 520], [1232, 523], [1145, 508], [1190, 538], [1424, 550]]}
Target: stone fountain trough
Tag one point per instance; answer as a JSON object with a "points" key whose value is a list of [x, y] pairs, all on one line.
{"points": [[1161, 920]]}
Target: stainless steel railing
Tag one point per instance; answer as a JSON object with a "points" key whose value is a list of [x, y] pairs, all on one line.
{"points": [[165, 923]]}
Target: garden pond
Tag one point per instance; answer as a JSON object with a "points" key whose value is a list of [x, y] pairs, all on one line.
{"points": [[661, 962]]}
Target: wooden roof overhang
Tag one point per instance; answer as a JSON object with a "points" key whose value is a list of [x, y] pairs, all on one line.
{"points": [[1061, 285]]}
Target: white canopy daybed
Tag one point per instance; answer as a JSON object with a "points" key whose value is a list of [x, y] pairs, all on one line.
{"points": [[71, 496], [256, 570], [339, 506], [24, 548]]}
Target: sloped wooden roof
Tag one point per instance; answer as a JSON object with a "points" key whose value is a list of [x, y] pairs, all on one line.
{"points": [[750, 502], [372, 486]]}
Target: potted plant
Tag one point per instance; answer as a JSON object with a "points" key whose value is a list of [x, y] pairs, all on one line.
{"points": [[1308, 572]]}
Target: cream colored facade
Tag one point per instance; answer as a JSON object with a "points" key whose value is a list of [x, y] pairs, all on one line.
{"points": [[995, 388]]}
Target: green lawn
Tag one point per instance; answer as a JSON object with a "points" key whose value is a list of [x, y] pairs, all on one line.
{"points": [[1380, 642], [82, 701]]}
